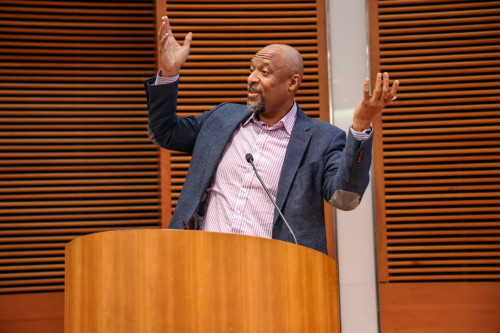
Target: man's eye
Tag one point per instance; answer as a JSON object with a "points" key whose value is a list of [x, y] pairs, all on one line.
{"points": [[265, 72], [251, 70]]}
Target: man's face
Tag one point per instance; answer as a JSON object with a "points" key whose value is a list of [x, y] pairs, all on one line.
{"points": [[267, 82]]}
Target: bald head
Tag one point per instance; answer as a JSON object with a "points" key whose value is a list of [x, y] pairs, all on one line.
{"points": [[289, 56]]}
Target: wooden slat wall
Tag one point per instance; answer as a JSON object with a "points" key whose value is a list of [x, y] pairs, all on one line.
{"points": [[74, 153], [437, 164], [226, 35], [438, 173]]}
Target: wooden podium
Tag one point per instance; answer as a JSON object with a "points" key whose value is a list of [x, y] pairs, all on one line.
{"points": [[176, 281]]}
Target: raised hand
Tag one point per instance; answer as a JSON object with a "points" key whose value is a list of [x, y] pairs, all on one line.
{"points": [[172, 55], [372, 105]]}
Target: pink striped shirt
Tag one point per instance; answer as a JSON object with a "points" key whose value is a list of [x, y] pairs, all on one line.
{"points": [[237, 203]]}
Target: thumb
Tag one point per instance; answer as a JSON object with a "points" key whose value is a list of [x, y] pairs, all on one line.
{"points": [[187, 40]]}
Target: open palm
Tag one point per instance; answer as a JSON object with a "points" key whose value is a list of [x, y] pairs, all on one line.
{"points": [[172, 55]]}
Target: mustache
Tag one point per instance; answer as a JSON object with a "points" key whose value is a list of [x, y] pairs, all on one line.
{"points": [[254, 87]]}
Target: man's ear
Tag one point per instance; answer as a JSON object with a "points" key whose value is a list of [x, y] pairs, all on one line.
{"points": [[294, 82]]}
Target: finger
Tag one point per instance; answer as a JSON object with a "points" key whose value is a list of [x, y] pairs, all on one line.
{"points": [[395, 87], [378, 87], [366, 89], [163, 43], [385, 85], [162, 30], [393, 90], [391, 96], [187, 40], [169, 30]]}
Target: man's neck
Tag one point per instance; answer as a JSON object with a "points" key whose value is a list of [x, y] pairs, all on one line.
{"points": [[271, 118]]}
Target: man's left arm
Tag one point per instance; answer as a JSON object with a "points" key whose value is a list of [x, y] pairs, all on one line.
{"points": [[352, 169]]}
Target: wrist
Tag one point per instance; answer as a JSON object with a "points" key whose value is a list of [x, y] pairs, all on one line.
{"points": [[168, 73], [361, 126]]}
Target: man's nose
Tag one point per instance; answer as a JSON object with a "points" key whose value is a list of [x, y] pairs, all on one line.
{"points": [[252, 78]]}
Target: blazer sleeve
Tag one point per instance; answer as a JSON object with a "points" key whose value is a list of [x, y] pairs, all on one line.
{"points": [[164, 127], [347, 176]]}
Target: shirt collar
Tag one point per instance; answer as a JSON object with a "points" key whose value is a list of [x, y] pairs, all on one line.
{"points": [[288, 119]]}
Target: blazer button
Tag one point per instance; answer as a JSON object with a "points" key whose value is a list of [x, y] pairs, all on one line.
{"points": [[360, 156]]}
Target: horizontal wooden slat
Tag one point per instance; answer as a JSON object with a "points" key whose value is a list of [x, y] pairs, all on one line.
{"points": [[447, 277], [429, 241], [4, 268], [436, 50], [484, 25], [288, 25], [67, 226], [8, 207], [84, 24], [448, 254], [78, 189], [451, 232], [450, 216], [446, 262], [38, 288], [18, 279], [440, 195], [433, 45], [60, 216], [442, 203], [461, 247], [202, 22], [429, 13], [210, 12], [95, 181], [34, 233], [32, 37], [444, 270], [231, 2], [178, 9], [31, 260], [55, 147], [149, 153], [449, 173], [77, 4], [432, 6], [444, 227], [80, 209], [421, 145], [71, 195], [73, 13], [447, 210]]}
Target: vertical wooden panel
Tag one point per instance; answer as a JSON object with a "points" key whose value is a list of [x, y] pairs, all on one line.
{"points": [[437, 145], [437, 163]]}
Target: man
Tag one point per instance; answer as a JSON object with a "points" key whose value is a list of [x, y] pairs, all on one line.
{"points": [[302, 161]]}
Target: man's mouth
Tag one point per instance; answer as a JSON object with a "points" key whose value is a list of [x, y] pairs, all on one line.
{"points": [[253, 92]]}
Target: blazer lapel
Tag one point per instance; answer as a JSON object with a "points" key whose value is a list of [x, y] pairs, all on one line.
{"points": [[299, 140]]}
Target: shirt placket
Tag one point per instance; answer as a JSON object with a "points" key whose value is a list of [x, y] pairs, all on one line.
{"points": [[238, 225]]}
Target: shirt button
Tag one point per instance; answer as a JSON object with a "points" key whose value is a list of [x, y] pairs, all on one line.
{"points": [[237, 213]]}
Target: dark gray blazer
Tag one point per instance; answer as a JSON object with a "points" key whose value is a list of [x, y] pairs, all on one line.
{"points": [[319, 163]]}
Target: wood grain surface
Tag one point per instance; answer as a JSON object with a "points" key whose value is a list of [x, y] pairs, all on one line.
{"points": [[192, 281]]}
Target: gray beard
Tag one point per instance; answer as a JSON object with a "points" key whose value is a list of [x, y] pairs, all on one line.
{"points": [[258, 107]]}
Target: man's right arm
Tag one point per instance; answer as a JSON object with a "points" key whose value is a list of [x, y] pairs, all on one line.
{"points": [[164, 127]]}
